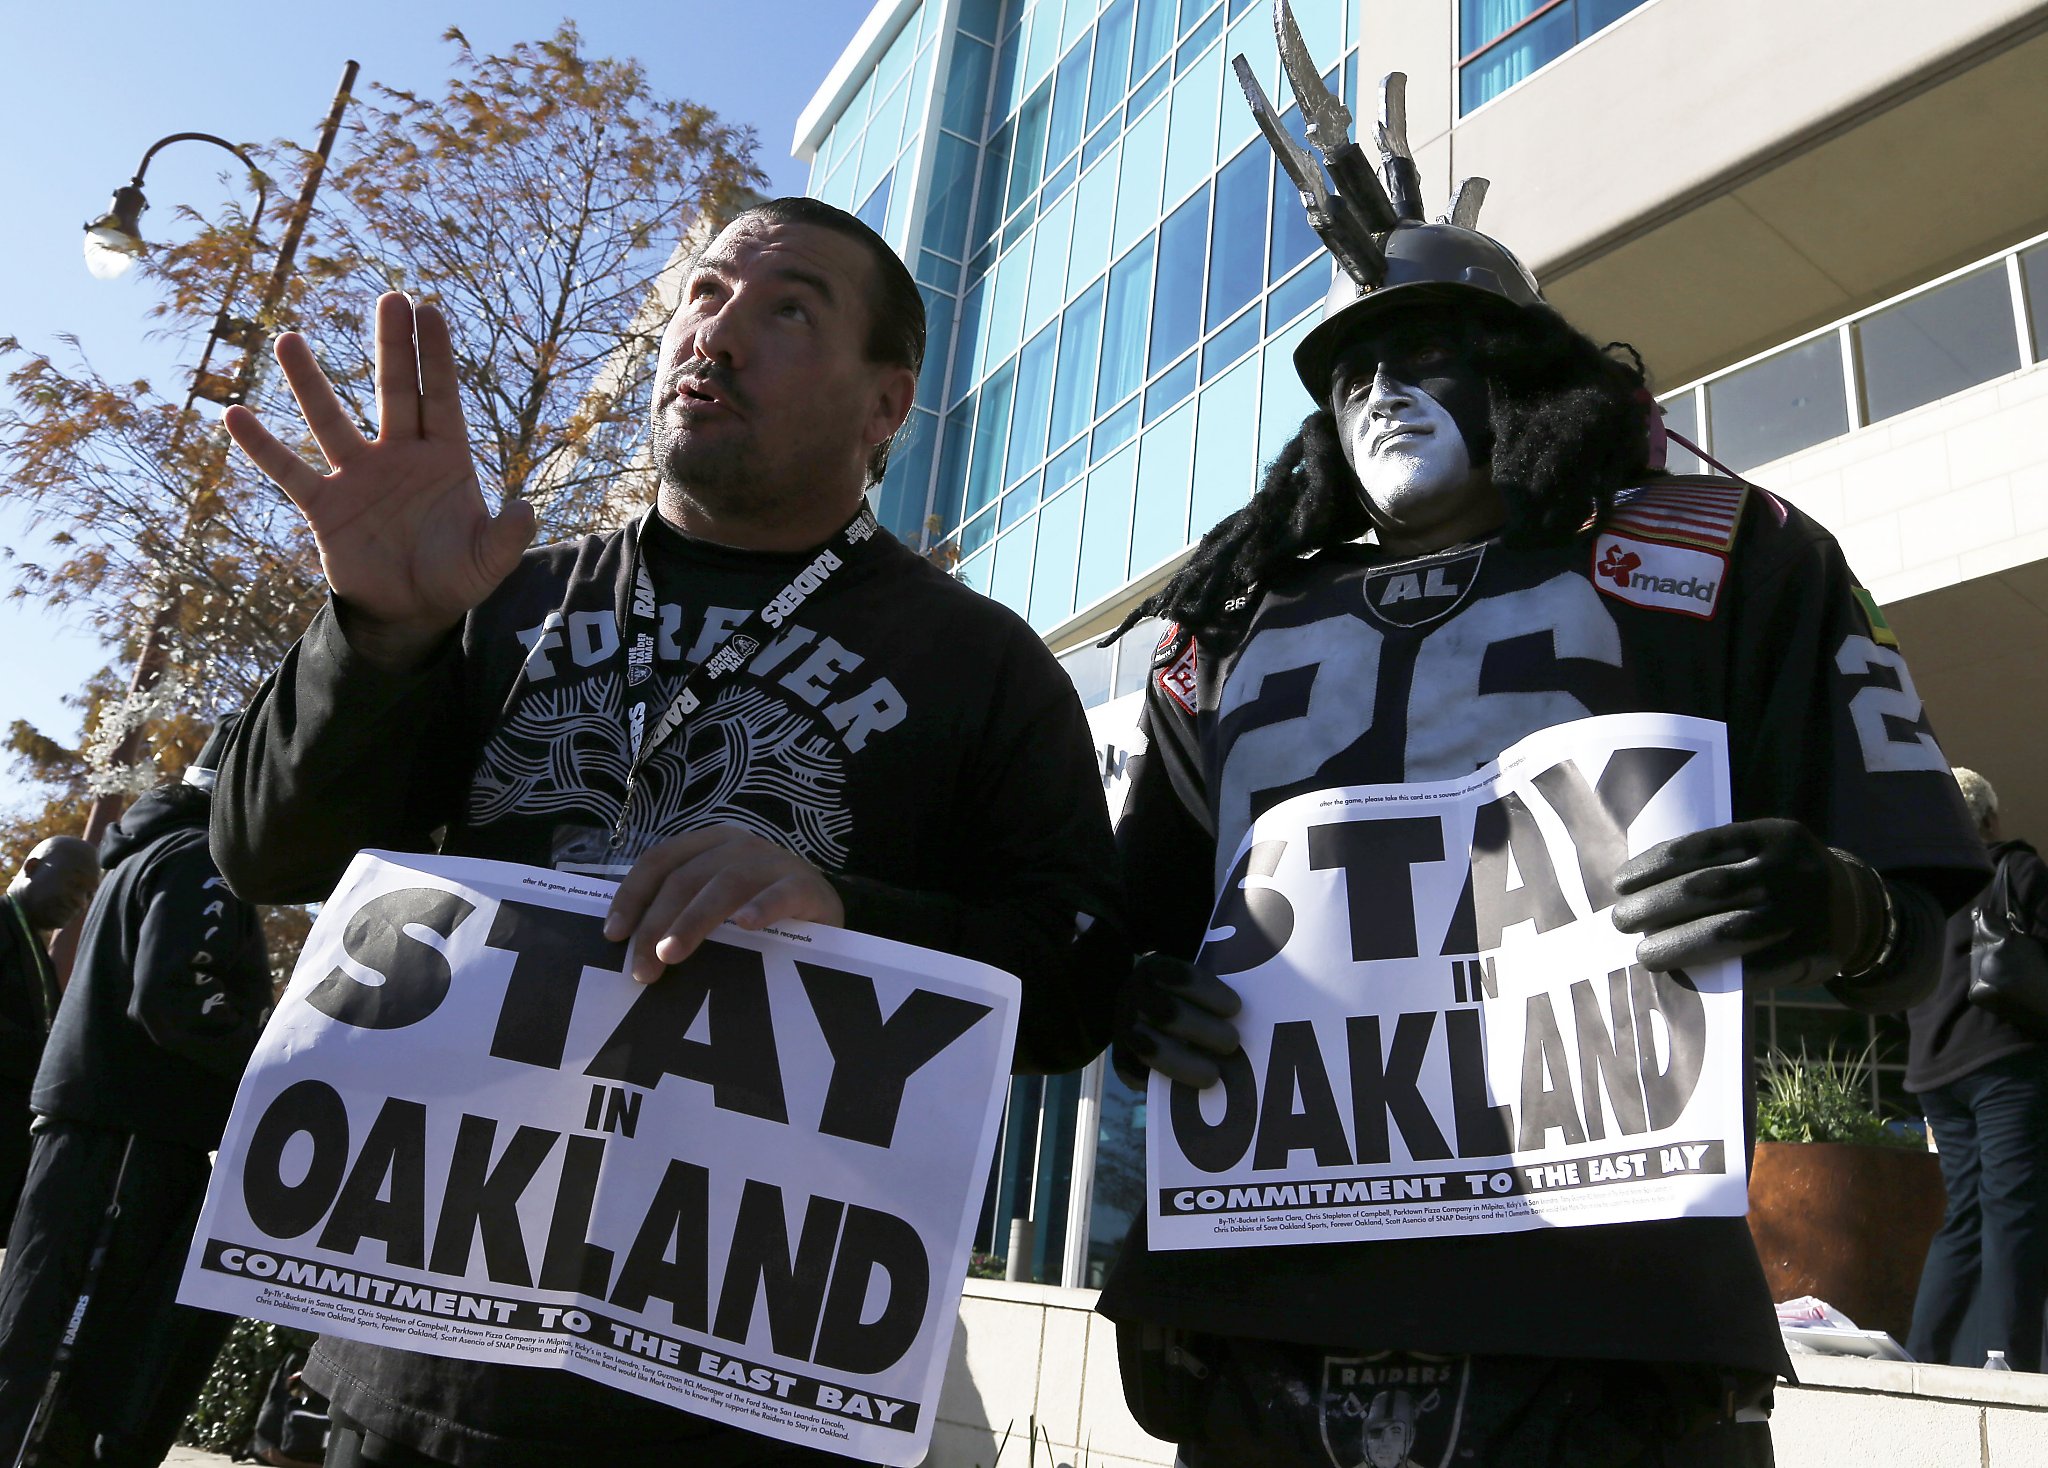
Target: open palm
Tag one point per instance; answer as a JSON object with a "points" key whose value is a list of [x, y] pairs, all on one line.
{"points": [[406, 539]]}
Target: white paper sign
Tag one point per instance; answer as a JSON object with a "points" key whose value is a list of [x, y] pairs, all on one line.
{"points": [[747, 1189], [1443, 1031]]}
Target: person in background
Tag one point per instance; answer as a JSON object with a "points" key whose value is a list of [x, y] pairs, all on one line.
{"points": [[48, 893], [171, 986], [1983, 1086]]}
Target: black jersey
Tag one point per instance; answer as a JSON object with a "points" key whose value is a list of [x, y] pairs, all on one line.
{"points": [[1691, 596]]}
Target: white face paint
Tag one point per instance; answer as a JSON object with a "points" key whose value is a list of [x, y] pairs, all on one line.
{"points": [[1421, 488]]}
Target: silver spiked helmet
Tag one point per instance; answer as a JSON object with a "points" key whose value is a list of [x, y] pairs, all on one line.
{"points": [[1387, 252]]}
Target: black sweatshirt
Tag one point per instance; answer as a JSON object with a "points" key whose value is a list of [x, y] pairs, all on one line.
{"points": [[1949, 1036], [25, 986], [909, 737], [170, 988]]}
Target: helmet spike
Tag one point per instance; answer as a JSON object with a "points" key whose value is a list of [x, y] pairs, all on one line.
{"points": [[1397, 164], [1328, 124], [1336, 218], [1466, 202]]}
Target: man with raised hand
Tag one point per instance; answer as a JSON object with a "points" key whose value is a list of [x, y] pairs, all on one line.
{"points": [[1467, 543], [753, 703]]}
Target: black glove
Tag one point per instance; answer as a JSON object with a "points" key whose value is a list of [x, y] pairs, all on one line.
{"points": [[1797, 912], [1173, 1018]]}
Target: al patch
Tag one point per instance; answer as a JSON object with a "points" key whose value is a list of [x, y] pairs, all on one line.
{"points": [[1662, 578], [1393, 1410], [1413, 593]]}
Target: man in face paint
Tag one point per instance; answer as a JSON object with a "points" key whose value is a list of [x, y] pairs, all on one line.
{"points": [[1411, 404]]}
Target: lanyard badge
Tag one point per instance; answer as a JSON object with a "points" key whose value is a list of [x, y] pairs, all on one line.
{"points": [[650, 722]]}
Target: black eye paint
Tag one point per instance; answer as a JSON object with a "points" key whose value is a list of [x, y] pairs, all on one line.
{"points": [[1437, 362]]}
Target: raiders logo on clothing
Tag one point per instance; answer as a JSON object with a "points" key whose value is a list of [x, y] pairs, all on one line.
{"points": [[1392, 1410]]}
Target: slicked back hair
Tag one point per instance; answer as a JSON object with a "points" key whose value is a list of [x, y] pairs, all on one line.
{"points": [[1569, 426], [896, 325]]}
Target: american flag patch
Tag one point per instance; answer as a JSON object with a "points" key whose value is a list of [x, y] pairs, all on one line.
{"points": [[1700, 514]]}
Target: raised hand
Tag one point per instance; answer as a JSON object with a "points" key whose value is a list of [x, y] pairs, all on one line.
{"points": [[406, 540]]}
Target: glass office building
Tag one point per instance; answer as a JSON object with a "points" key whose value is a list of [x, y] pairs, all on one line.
{"points": [[1115, 274]]}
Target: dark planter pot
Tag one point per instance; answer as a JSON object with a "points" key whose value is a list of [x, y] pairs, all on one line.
{"points": [[1846, 1222]]}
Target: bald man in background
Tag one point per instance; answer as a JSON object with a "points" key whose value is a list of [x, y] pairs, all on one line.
{"points": [[49, 892]]}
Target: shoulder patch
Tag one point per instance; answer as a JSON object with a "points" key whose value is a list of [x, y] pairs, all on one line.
{"points": [[1660, 577], [1168, 644], [1880, 630], [1176, 679], [1700, 512]]}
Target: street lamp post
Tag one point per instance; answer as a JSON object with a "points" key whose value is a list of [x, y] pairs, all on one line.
{"points": [[111, 243]]}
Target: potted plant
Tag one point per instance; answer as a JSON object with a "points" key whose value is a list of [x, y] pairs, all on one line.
{"points": [[1842, 1203]]}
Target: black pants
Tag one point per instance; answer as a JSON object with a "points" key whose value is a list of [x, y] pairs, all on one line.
{"points": [[14, 1147], [1986, 1277], [141, 1358], [1265, 1404], [349, 1446]]}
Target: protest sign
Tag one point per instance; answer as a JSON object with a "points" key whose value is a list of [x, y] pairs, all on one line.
{"points": [[746, 1189], [1443, 1031]]}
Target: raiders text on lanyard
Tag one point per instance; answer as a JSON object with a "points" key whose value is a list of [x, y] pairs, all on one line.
{"points": [[731, 655]]}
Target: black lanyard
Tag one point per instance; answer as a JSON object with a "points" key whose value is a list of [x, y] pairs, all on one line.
{"points": [[650, 723]]}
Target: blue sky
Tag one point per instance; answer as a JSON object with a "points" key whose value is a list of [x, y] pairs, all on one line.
{"points": [[84, 89]]}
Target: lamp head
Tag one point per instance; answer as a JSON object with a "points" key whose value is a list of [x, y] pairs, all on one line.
{"points": [[114, 240]]}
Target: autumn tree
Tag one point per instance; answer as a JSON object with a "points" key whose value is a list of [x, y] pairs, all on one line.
{"points": [[535, 197]]}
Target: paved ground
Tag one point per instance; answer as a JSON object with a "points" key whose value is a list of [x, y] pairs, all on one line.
{"points": [[194, 1457]]}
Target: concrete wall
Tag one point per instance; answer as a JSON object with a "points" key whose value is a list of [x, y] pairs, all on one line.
{"points": [[1951, 491], [1027, 1351]]}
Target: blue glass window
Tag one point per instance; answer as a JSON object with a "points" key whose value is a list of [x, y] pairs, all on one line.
{"points": [[1300, 293], [1293, 240], [1026, 167], [953, 465], [1018, 503], [938, 332], [1070, 92], [1159, 522], [979, 17], [1203, 34], [967, 88], [1106, 528], [946, 212], [900, 502], [1237, 252], [1034, 399], [875, 212], [995, 175], [1177, 299], [1227, 345], [1059, 549], [973, 315], [991, 428], [1153, 37], [1116, 429], [1226, 466], [1503, 41], [1074, 378], [1011, 584], [1123, 328], [1171, 388], [1106, 76], [1002, 98]]}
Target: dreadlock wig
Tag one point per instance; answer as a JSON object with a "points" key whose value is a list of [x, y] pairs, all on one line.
{"points": [[1566, 427]]}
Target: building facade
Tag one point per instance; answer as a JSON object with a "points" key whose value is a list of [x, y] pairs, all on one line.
{"points": [[1824, 225]]}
